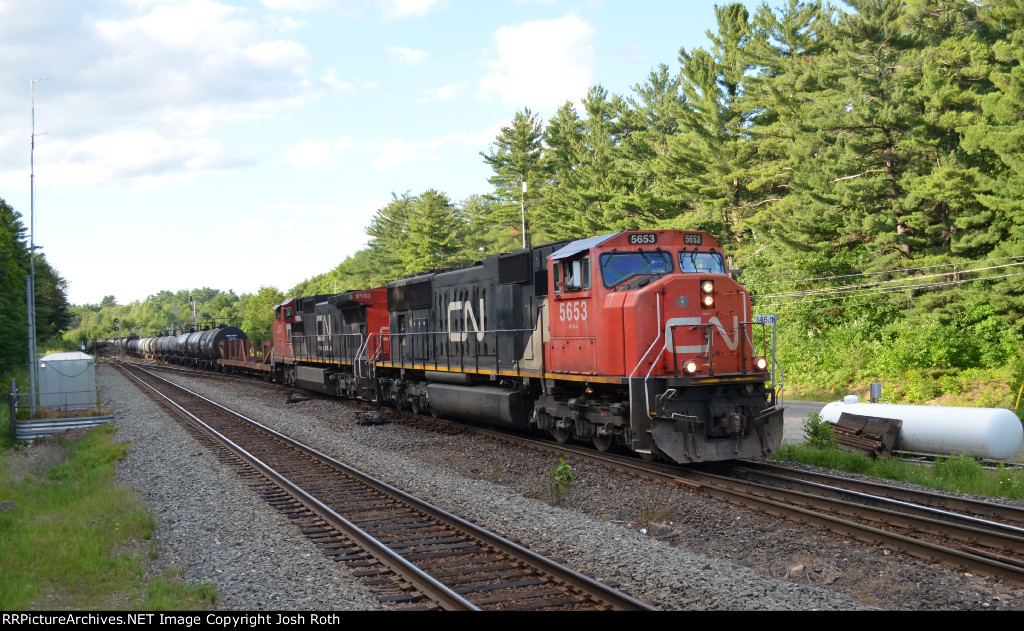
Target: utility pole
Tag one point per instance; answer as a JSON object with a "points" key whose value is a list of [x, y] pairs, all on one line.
{"points": [[30, 291], [522, 210]]}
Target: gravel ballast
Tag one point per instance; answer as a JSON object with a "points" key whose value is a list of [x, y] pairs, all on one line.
{"points": [[673, 549]]}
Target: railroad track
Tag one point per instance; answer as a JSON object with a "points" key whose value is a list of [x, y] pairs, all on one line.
{"points": [[414, 554], [983, 537]]}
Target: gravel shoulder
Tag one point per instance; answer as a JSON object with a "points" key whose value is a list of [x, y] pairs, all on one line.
{"points": [[673, 549]]}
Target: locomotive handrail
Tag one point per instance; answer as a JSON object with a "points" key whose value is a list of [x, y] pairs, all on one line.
{"points": [[458, 358], [359, 351], [314, 346], [647, 394]]}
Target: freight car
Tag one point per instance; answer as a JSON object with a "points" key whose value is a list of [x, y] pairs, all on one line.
{"points": [[638, 339], [201, 349]]}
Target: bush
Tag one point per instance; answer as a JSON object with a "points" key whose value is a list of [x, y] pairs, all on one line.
{"points": [[819, 432]]}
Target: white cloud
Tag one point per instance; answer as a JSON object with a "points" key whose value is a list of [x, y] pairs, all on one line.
{"points": [[397, 152], [332, 79], [389, 9], [444, 92], [309, 154], [138, 159], [542, 63], [199, 24], [398, 9], [152, 74], [408, 56], [176, 56], [288, 24], [300, 6]]}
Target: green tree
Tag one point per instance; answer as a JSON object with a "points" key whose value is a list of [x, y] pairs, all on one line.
{"points": [[434, 234], [258, 323], [484, 234], [53, 315], [784, 50], [707, 168], [388, 232], [589, 187], [13, 270], [515, 157], [996, 140], [564, 153]]}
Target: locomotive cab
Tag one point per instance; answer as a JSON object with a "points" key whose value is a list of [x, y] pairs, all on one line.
{"points": [[656, 341]]}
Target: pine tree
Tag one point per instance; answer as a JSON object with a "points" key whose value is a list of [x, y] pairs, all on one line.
{"points": [[515, 157], [706, 167], [434, 234], [996, 140], [388, 232], [561, 160], [13, 271], [785, 48]]}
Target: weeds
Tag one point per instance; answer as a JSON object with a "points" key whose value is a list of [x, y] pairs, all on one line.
{"points": [[564, 476], [819, 432], [64, 544]]}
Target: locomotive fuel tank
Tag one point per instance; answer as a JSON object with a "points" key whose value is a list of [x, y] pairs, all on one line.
{"points": [[978, 432], [497, 405]]}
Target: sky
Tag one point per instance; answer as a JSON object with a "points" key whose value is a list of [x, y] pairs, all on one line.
{"points": [[236, 145]]}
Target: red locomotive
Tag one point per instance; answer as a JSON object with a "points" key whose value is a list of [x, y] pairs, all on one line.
{"points": [[638, 339]]}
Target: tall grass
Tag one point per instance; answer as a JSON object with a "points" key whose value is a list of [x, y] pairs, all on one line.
{"points": [[956, 473], [78, 540]]}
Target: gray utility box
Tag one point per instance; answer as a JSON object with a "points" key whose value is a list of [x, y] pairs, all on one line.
{"points": [[67, 381]]}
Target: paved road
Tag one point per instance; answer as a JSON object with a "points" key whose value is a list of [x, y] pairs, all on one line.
{"points": [[793, 418], [799, 410]]}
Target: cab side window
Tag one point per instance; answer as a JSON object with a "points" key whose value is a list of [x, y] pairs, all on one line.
{"points": [[573, 275]]}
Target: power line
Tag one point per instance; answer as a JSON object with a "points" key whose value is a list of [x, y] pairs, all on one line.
{"points": [[905, 270], [887, 284], [874, 290]]}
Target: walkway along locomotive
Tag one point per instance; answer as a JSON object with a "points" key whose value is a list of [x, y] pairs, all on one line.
{"points": [[639, 338]]}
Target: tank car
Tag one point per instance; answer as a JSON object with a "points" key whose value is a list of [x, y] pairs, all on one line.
{"points": [[640, 339], [200, 349]]}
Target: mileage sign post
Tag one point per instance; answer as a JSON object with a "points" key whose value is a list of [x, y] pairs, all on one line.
{"points": [[772, 320]]}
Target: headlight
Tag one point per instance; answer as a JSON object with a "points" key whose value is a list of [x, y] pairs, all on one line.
{"points": [[707, 290], [760, 363], [690, 366]]}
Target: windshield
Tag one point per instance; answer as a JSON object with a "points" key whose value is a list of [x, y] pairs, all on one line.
{"points": [[618, 267], [706, 262]]}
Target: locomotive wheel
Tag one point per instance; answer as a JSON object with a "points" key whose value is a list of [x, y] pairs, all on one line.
{"points": [[603, 443], [414, 405], [561, 435], [651, 457]]}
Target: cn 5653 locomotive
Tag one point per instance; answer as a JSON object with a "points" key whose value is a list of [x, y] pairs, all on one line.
{"points": [[640, 339]]}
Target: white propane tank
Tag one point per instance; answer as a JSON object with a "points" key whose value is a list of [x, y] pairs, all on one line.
{"points": [[993, 433]]}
